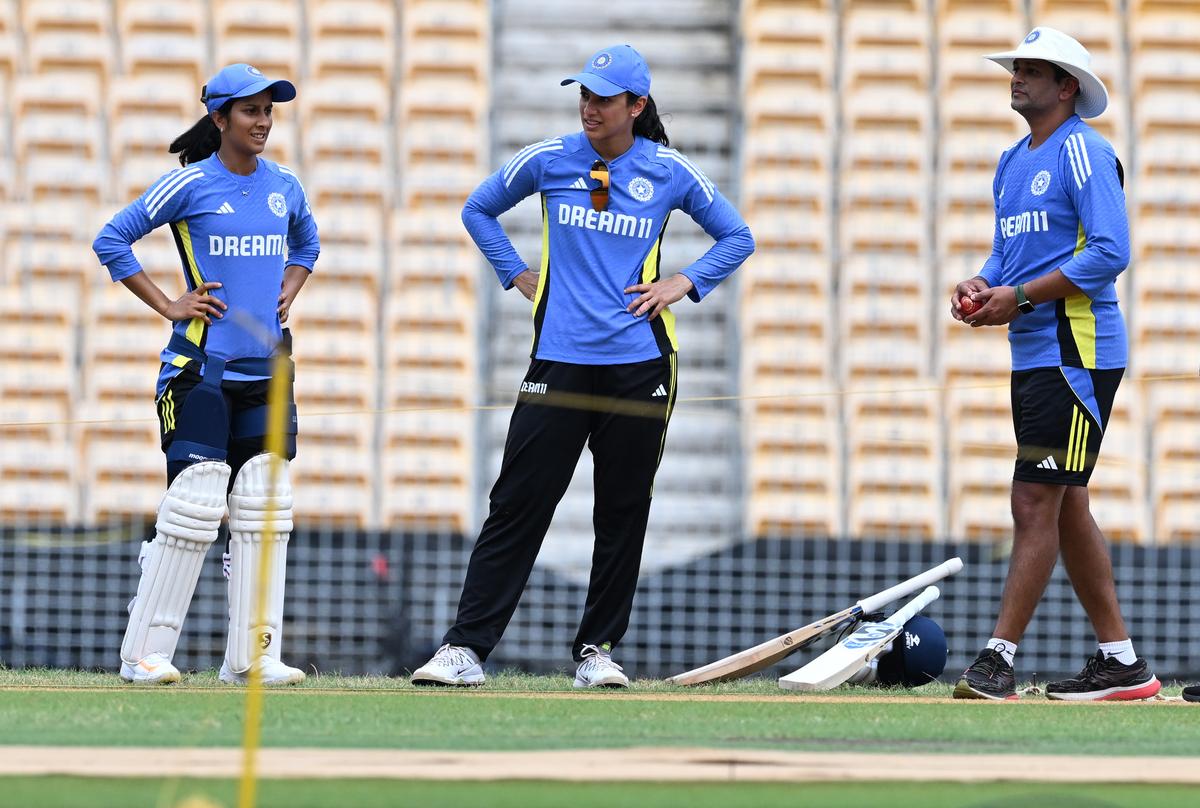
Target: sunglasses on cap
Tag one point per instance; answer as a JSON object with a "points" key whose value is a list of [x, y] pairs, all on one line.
{"points": [[600, 195]]}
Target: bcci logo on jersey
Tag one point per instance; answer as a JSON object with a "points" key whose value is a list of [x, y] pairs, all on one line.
{"points": [[277, 204], [1040, 183], [605, 221], [641, 189]]}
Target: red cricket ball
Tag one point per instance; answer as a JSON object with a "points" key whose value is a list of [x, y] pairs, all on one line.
{"points": [[968, 306]]}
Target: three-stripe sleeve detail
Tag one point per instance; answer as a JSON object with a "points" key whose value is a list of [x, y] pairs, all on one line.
{"points": [[166, 189], [704, 182], [1077, 155], [514, 166]]}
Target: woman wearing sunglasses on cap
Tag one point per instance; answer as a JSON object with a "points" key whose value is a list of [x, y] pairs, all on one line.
{"points": [[603, 368], [247, 242]]}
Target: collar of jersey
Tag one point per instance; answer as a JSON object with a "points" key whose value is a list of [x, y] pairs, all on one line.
{"points": [[1057, 137], [220, 167], [610, 163]]}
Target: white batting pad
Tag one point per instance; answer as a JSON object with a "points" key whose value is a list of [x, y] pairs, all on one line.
{"points": [[260, 524], [188, 518]]}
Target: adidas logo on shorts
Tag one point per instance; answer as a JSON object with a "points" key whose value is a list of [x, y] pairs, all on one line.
{"points": [[1048, 464]]}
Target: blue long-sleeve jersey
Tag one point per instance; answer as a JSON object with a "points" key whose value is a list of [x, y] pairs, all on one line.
{"points": [[590, 257], [1061, 206], [241, 231]]}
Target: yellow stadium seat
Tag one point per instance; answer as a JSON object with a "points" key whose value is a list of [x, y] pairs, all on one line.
{"points": [[124, 338], [180, 17], [83, 16], [423, 448], [346, 139], [352, 38], [66, 179], [70, 53], [448, 262], [446, 98], [773, 360], [40, 259], [465, 18], [37, 468], [361, 266], [348, 181], [50, 93], [352, 226], [333, 485], [361, 97], [171, 56], [322, 388], [1118, 485], [57, 134]]}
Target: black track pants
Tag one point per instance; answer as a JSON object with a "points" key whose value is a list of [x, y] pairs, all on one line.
{"points": [[622, 412]]}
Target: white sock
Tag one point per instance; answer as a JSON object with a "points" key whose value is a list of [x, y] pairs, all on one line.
{"points": [[1007, 649], [1122, 650]]}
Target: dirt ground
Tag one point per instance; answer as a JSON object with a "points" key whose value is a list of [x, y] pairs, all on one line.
{"points": [[635, 764]]}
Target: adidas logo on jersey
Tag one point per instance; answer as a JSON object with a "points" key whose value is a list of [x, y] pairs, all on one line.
{"points": [[225, 208], [580, 184], [660, 391], [1048, 464]]}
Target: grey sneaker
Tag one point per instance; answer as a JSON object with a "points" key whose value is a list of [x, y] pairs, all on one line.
{"points": [[452, 665], [598, 670]]}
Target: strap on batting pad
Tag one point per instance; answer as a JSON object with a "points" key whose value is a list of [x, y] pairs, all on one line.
{"points": [[254, 507], [188, 518], [203, 423]]}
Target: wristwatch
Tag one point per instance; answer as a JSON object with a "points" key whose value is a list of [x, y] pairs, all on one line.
{"points": [[1024, 304]]}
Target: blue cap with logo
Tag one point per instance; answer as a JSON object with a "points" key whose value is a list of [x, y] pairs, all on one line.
{"points": [[613, 71], [242, 80], [918, 655]]}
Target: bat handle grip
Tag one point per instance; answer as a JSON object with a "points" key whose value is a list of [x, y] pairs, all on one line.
{"points": [[943, 570], [914, 606]]}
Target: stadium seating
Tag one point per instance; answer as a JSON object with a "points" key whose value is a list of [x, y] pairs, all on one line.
{"points": [[869, 139]]}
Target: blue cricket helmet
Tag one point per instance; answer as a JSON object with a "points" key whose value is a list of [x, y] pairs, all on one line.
{"points": [[918, 655]]}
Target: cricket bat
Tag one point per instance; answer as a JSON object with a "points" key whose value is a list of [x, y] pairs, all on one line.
{"points": [[763, 655], [840, 662]]}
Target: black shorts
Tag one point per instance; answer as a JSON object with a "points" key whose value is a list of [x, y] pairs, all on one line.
{"points": [[1059, 415], [240, 396]]}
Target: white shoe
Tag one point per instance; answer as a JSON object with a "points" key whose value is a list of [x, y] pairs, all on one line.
{"points": [[451, 665], [274, 672], [154, 669], [598, 669]]}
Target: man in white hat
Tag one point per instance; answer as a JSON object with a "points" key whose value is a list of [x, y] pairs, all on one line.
{"points": [[1061, 240]]}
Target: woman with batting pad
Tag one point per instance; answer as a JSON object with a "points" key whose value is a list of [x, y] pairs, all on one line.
{"points": [[603, 369], [247, 241]]}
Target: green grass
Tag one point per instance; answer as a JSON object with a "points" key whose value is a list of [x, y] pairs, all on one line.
{"points": [[386, 713], [70, 792]]}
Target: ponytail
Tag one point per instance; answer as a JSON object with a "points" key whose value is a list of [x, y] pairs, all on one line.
{"points": [[199, 142], [648, 124]]}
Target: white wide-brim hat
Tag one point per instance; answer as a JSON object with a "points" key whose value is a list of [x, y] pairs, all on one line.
{"points": [[1051, 45]]}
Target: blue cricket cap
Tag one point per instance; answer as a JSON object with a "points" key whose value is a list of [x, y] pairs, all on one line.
{"points": [[242, 80], [918, 655], [613, 71]]}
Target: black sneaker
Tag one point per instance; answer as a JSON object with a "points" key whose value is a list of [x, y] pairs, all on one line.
{"points": [[1192, 693], [989, 677], [1106, 679]]}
